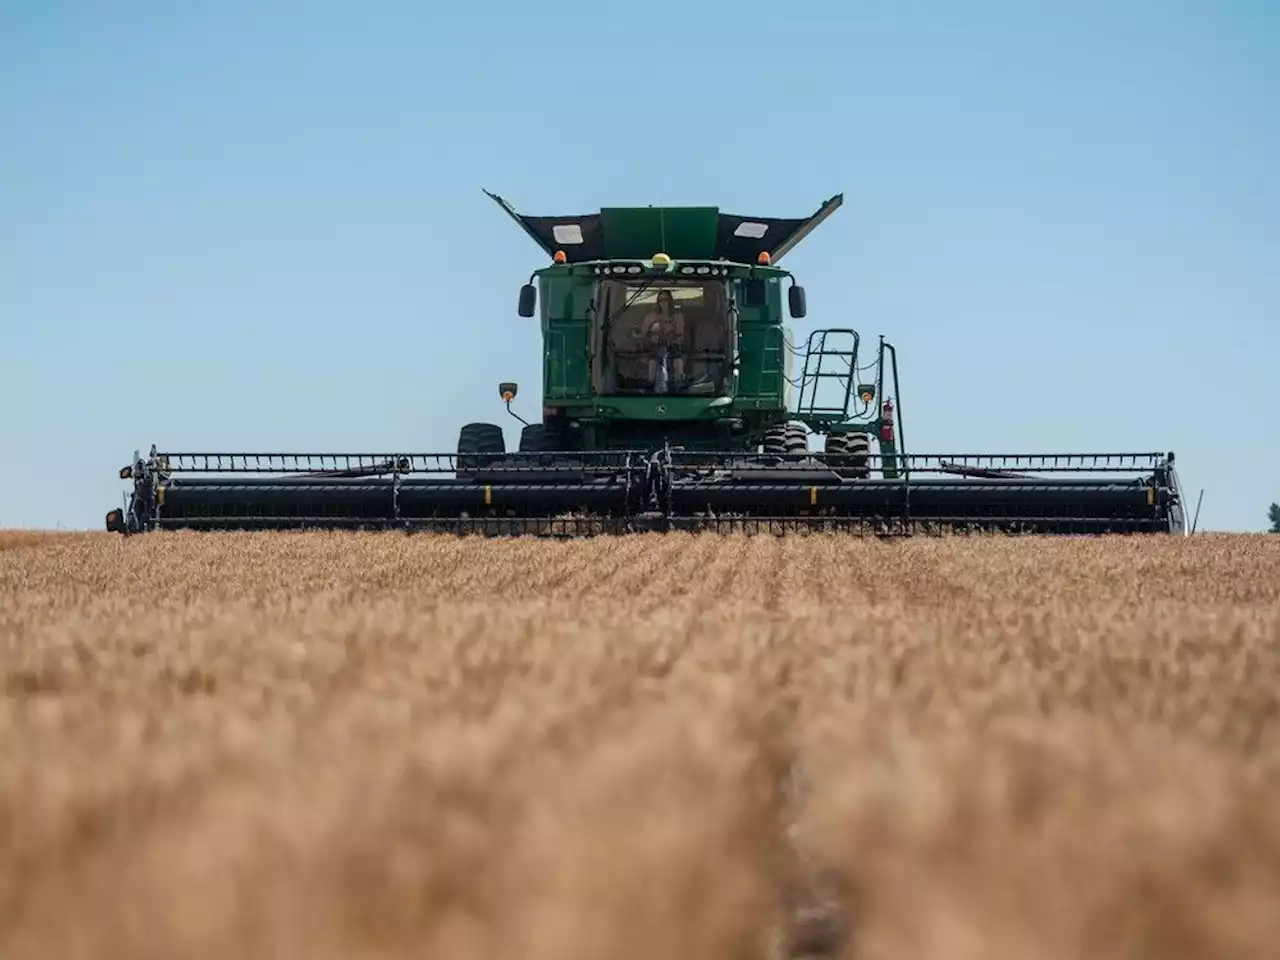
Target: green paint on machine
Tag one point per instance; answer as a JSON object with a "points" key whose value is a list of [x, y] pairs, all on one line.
{"points": [[659, 321]]}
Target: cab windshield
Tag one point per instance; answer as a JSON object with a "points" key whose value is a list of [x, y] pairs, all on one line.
{"points": [[666, 336]]}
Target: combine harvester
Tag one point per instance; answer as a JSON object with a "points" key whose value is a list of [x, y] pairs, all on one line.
{"points": [[667, 403]]}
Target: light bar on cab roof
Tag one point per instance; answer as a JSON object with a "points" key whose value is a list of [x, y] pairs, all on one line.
{"points": [[688, 269]]}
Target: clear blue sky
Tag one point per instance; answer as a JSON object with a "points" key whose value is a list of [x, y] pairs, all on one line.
{"points": [[245, 226]]}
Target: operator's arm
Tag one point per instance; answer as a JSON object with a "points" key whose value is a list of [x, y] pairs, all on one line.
{"points": [[650, 322]]}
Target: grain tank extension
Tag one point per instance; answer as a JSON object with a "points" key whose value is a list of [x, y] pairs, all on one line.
{"points": [[674, 396]]}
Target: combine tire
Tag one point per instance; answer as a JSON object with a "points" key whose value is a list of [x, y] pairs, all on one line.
{"points": [[479, 445], [544, 439], [786, 439], [541, 438], [849, 454]]}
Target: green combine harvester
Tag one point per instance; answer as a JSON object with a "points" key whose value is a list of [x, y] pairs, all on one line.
{"points": [[673, 397]]}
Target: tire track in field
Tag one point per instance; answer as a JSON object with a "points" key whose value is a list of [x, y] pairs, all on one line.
{"points": [[750, 589], [797, 571]]}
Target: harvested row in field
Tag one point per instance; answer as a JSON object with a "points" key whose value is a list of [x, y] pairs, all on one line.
{"points": [[373, 744]]}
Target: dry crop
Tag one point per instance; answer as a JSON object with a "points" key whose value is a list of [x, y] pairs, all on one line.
{"points": [[374, 745]]}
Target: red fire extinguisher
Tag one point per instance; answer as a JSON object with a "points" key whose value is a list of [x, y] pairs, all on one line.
{"points": [[886, 422]]}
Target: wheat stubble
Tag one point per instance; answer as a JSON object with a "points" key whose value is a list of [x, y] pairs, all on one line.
{"points": [[331, 745]]}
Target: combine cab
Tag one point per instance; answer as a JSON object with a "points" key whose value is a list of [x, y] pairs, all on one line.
{"points": [[673, 397]]}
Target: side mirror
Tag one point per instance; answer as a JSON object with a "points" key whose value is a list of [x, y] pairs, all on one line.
{"points": [[755, 293], [528, 299], [507, 391], [795, 300]]}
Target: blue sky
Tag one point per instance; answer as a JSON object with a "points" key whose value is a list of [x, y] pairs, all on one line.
{"points": [[244, 226]]}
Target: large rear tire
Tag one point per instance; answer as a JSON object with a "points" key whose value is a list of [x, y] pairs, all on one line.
{"points": [[849, 454], [786, 439], [542, 438], [479, 445]]}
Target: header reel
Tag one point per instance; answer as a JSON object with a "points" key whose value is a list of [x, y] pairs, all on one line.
{"points": [[573, 493]]}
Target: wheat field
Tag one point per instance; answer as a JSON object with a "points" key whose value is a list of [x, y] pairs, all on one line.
{"points": [[377, 745]]}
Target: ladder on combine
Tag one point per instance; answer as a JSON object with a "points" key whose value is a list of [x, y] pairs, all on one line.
{"points": [[829, 355]]}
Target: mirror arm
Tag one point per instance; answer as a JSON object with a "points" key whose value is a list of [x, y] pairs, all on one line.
{"points": [[516, 415]]}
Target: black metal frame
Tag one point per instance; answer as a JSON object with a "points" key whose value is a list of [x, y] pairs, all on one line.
{"points": [[580, 494]]}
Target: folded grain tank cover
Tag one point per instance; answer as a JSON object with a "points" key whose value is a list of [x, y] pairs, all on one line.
{"points": [[682, 233]]}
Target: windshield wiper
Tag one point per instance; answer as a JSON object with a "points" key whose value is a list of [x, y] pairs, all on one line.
{"points": [[610, 317]]}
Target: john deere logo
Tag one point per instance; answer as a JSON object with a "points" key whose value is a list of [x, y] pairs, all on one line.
{"points": [[660, 409]]}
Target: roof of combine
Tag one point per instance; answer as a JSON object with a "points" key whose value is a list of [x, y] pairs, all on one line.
{"points": [[683, 233]]}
